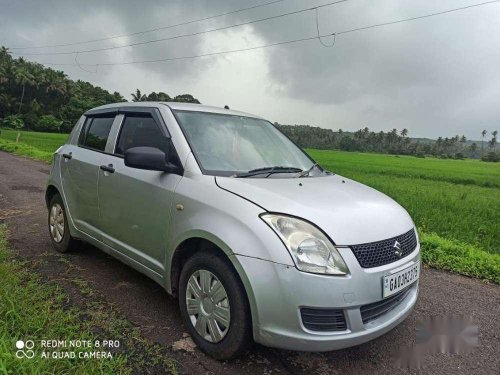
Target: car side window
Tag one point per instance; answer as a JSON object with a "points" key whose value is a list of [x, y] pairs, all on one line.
{"points": [[140, 131], [95, 132]]}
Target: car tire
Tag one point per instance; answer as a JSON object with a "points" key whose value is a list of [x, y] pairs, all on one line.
{"points": [[59, 232], [237, 336]]}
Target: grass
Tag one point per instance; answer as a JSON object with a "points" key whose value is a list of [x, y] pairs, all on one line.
{"points": [[25, 150], [31, 309], [459, 257], [454, 203], [461, 172], [46, 142]]}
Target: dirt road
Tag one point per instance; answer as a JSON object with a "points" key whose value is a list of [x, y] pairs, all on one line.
{"points": [[147, 306]]}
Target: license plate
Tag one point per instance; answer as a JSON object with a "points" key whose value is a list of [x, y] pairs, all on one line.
{"points": [[397, 281]]}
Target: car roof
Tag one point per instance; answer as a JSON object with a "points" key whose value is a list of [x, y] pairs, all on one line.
{"points": [[173, 105]]}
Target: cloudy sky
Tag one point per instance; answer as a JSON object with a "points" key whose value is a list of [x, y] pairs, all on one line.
{"points": [[436, 76]]}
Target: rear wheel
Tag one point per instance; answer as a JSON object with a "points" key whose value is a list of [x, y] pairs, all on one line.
{"points": [[214, 306], [58, 226]]}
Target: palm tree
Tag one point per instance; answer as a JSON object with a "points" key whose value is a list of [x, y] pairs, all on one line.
{"points": [[138, 96], [493, 141], [473, 149], [55, 81], [483, 134], [4, 75], [404, 132], [23, 77], [4, 52], [7, 102]]}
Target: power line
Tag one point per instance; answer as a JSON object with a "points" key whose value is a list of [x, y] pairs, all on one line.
{"points": [[154, 29], [283, 42], [416, 18], [183, 35]]}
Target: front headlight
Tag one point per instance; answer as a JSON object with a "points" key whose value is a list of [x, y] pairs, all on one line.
{"points": [[311, 250]]}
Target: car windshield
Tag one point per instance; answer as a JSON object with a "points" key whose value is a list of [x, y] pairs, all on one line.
{"points": [[227, 145]]}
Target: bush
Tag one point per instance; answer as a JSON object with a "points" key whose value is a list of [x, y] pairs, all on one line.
{"points": [[48, 123], [13, 122], [420, 154], [491, 156]]}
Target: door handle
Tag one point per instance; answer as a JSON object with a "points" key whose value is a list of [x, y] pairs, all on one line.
{"points": [[108, 168], [67, 156]]}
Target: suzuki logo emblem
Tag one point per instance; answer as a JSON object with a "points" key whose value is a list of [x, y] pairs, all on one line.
{"points": [[397, 246]]}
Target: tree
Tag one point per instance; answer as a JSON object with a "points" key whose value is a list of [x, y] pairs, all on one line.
{"points": [[483, 134], [186, 98], [138, 96], [404, 132], [4, 75], [31, 90], [493, 142], [23, 77], [473, 149], [55, 81], [7, 103], [159, 97]]}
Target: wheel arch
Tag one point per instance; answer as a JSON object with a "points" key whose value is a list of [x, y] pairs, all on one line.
{"points": [[206, 242], [49, 193]]}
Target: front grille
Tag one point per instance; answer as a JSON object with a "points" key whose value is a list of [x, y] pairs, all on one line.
{"points": [[323, 319], [376, 254], [375, 310]]}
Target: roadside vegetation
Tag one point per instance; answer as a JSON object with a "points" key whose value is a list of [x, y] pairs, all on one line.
{"points": [[454, 203], [33, 309], [34, 145], [30, 310], [459, 257], [47, 142]]}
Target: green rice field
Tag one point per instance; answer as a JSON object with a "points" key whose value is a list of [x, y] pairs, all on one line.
{"points": [[48, 142]]}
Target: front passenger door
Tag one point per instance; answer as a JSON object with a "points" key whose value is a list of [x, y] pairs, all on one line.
{"points": [[135, 204]]}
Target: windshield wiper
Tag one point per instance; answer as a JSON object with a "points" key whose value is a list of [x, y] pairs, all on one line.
{"points": [[307, 171], [269, 171]]}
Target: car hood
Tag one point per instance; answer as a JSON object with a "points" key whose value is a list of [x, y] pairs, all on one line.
{"points": [[349, 212]]}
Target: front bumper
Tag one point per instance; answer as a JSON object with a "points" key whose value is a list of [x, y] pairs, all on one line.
{"points": [[279, 291]]}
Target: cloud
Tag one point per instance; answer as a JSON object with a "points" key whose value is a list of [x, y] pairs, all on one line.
{"points": [[436, 76]]}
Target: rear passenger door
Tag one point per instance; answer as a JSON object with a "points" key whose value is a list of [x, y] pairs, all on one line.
{"points": [[79, 172], [135, 205]]}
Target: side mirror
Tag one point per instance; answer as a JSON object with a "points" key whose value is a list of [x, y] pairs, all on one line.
{"points": [[149, 158]]}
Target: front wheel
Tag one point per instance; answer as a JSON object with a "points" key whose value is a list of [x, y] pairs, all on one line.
{"points": [[214, 306]]}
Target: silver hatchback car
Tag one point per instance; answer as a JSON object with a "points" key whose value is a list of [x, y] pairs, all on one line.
{"points": [[225, 212]]}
